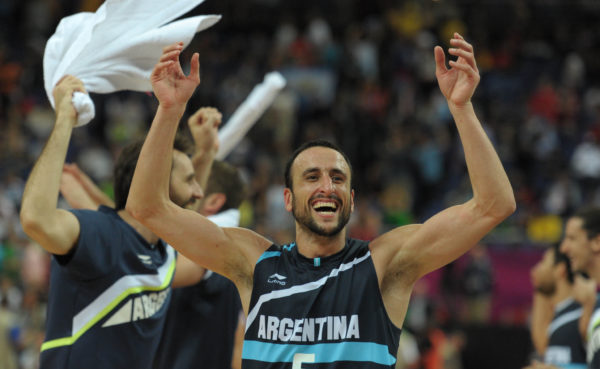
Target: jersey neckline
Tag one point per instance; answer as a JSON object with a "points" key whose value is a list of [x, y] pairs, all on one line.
{"points": [[319, 262]]}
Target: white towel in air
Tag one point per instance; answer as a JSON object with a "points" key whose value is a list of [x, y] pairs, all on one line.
{"points": [[261, 97], [116, 47]]}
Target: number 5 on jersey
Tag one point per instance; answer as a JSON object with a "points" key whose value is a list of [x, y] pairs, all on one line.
{"points": [[302, 358]]}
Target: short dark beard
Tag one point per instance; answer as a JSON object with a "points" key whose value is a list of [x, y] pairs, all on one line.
{"points": [[547, 290], [309, 223]]}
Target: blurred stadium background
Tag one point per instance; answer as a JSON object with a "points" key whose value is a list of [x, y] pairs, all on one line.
{"points": [[360, 72]]}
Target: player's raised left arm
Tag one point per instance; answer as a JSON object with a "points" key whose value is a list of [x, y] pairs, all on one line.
{"points": [[420, 249]]}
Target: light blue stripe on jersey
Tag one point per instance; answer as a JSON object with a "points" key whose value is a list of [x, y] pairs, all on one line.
{"points": [[572, 366], [324, 352], [268, 254], [564, 319], [290, 246]]}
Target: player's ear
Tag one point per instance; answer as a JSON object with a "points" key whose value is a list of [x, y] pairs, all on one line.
{"points": [[288, 198], [214, 202]]}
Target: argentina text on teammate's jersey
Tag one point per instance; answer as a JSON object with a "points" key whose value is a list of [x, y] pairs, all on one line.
{"points": [[108, 298]]}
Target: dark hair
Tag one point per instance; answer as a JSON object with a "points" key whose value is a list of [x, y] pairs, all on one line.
{"points": [[560, 257], [591, 220], [308, 145], [225, 178], [127, 160]]}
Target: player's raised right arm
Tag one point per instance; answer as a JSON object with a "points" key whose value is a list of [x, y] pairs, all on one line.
{"points": [[230, 251]]}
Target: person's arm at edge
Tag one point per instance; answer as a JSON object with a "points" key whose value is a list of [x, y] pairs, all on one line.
{"points": [[542, 312], [56, 230]]}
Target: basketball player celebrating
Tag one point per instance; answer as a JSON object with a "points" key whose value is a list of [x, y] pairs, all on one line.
{"points": [[323, 301], [111, 277]]}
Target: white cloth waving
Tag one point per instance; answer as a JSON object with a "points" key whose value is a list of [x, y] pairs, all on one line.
{"points": [[116, 47], [259, 100]]}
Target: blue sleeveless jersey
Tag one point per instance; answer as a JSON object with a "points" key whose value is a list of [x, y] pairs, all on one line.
{"points": [[108, 298], [200, 326], [318, 313], [565, 346]]}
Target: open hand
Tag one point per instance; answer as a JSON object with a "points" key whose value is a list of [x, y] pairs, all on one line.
{"points": [[170, 85], [459, 82]]}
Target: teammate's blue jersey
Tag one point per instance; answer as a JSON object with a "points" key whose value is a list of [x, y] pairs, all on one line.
{"points": [[565, 346], [318, 313], [108, 297], [200, 326]]}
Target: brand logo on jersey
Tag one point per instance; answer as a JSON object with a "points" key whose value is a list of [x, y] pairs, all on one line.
{"points": [[146, 259], [327, 328], [139, 307], [277, 279]]}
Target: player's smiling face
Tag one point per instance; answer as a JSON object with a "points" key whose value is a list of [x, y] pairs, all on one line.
{"points": [[184, 190], [321, 199]]}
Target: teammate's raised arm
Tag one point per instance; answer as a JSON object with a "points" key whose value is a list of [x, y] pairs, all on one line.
{"points": [[56, 230], [204, 126], [105, 247]]}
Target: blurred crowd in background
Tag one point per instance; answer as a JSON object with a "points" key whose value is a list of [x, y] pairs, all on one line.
{"points": [[360, 73]]}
